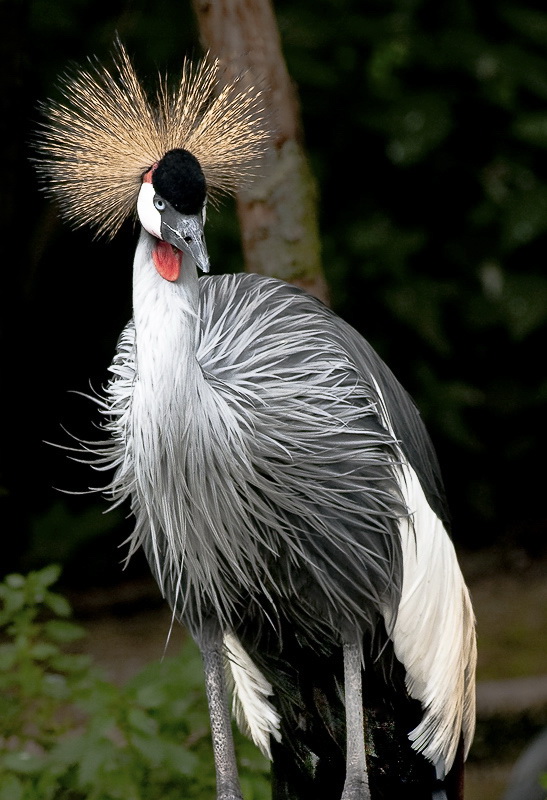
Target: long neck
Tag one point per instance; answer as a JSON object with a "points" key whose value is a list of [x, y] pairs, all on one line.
{"points": [[165, 407], [166, 323]]}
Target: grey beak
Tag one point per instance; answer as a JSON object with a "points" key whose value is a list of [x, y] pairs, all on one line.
{"points": [[185, 232]]}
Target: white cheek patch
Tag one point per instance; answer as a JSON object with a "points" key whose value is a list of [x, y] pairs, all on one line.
{"points": [[149, 216]]}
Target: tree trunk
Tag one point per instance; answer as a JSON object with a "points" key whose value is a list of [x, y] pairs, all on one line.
{"points": [[278, 214]]}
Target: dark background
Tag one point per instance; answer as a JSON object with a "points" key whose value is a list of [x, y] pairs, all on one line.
{"points": [[426, 125]]}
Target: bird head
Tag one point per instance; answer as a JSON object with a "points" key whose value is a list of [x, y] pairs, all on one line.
{"points": [[171, 207], [107, 149]]}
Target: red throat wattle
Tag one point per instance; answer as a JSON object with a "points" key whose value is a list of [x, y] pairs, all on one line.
{"points": [[167, 260]]}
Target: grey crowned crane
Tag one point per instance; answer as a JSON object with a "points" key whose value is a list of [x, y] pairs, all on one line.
{"points": [[284, 489]]}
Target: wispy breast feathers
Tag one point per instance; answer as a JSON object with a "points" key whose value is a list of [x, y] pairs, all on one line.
{"points": [[97, 142]]}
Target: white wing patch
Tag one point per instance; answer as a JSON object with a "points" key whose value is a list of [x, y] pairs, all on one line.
{"points": [[254, 714], [434, 629], [433, 634]]}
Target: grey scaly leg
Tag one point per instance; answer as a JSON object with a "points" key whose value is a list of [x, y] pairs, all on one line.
{"points": [[228, 786], [356, 784]]}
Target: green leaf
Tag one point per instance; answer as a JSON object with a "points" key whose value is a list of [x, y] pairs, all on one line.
{"points": [[150, 695], [525, 216], [14, 601], [416, 125], [22, 762], [11, 788], [122, 782], [182, 760], [142, 721], [43, 650], [151, 748], [63, 631], [48, 575], [58, 604], [15, 581], [532, 128], [529, 22], [420, 304], [523, 303], [94, 760], [55, 686], [72, 663], [8, 657], [68, 750], [255, 787], [384, 64]]}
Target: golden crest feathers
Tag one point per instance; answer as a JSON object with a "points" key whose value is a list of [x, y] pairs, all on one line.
{"points": [[97, 143]]}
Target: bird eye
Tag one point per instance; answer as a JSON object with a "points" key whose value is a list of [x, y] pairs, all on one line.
{"points": [[159, 203]]}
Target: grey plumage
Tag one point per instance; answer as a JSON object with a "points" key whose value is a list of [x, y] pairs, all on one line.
{"points": [[285, 448], [276, 496], [281, 498]]}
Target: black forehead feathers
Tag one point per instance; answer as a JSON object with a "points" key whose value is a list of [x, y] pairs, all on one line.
{"points": [[179, 179]]}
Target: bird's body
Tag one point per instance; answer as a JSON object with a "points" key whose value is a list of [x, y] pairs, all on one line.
{"points": [[289, 503], [274, 504]]}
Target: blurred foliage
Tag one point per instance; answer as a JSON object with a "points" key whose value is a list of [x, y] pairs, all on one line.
{"points": [[426, 126], [68, 733]]}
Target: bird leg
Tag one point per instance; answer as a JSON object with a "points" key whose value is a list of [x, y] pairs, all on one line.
{"points": [[356, 784], [228, 786]]}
